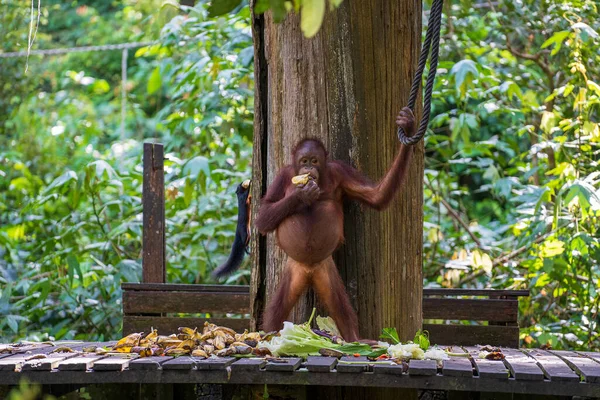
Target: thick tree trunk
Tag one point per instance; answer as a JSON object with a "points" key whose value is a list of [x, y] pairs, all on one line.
{"points": [[345, 86]]}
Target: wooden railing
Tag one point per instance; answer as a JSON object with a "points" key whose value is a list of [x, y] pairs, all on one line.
{"points": [[452, 316]]}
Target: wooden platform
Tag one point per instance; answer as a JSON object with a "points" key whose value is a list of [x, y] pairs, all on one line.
{"points": [[523, 371]]}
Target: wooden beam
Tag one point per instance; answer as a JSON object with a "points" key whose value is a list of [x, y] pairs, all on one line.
{"points": [[185, 302], [153, 201], [470, 309]]}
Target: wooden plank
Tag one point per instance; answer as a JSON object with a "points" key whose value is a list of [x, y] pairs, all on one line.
{"points": [[113, 363], [391, 369], [153, 201], [554, 368], [456, 365], [475, 292], [15, 362], [593, 356], [79, 363], [148, 363], [184, 287], [353, 364], [586, 367], [168, 325], [179, 363], [139, 302], [521, 366], [422, 367], [470, 309], [46, 364], [248, 364], [213, 364], [467, 335], [320, 363], [283, 364], [488, 369]]}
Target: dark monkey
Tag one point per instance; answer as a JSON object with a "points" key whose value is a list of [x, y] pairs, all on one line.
{"points": [[309, 224], [242, 233]]}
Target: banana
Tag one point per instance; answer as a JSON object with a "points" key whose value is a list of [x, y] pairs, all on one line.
{"points": [[220, 342], [173, 351], [150, 338], [209, 349], [187, 344], [129, 340], [199, 353], [300, 179], [225, 330]]}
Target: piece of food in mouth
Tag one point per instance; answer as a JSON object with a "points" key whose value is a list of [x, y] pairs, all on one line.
{"points": [[301, 179]]}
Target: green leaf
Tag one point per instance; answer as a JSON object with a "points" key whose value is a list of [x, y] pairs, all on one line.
{"points": [[557, 39], [584, 30], [278, 9], [261, 6], [552, 248], [12, 323], [74, 267], [62, 180], [422, 339], [311, 18], [154, 82], [220, 7], [464, 73], [391, 334], [196, 165], [188, 191]]}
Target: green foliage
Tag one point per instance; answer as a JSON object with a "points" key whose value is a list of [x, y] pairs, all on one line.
{"points": [[70, 179], [512, 188], [312, 12], [513, 151]]}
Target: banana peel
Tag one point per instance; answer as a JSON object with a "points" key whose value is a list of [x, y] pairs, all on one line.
{"points": [[301, 179]]}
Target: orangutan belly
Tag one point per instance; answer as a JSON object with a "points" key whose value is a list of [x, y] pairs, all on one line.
{"points": [[313, 234]]}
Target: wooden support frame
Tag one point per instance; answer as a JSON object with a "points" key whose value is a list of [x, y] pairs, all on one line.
{"points": [[153, 202]]}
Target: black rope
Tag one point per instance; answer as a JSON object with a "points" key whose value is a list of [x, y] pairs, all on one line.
{"points": [[432, 42]]}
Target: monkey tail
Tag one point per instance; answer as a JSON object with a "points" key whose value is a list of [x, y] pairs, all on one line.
{"points": [[240, 243], [238, 251]]}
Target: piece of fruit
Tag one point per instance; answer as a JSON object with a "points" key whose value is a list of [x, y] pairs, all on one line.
{"points": [[301, 179]]}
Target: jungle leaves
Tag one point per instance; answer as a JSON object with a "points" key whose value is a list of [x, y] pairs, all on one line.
{"points": [[312, 12]]}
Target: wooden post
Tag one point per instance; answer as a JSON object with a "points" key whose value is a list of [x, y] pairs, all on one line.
{"points": [[153, 201], [345, 86]]}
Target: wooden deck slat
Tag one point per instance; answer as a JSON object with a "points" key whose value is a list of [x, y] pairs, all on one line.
{"points": [[500, 310], [521, 366], [179, 363], [422, 367], [342, 366], [213, 364], [586, 367], [320, 364], [46, 364], [166, 325], [392, 369], [113, 363], [593, 356], [79, 363], [148, 363], [487, 369], [555, 369], [248, 364], [287, 365], [457, 366]]}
